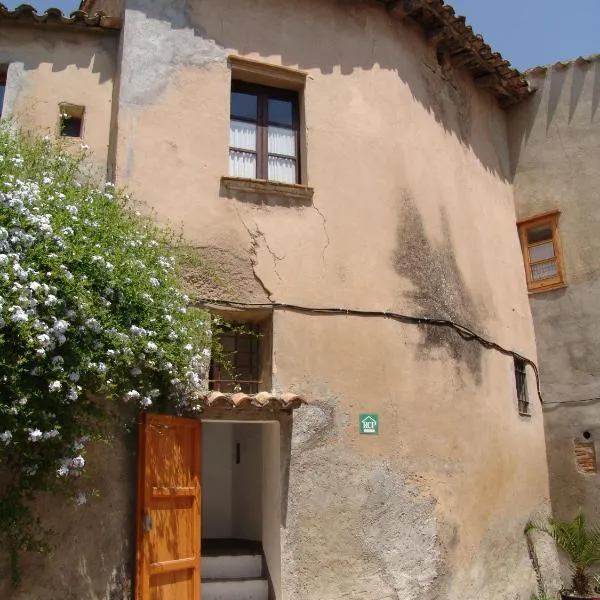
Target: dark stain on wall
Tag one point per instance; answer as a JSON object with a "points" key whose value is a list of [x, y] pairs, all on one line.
{"points": [[440, 289]]}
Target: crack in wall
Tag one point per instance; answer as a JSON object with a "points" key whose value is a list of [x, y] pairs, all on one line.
{"points": [[324, 220], [254, 244]]}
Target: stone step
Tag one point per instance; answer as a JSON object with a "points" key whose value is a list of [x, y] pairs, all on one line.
{"points": [[238, 566], [235, 589]]}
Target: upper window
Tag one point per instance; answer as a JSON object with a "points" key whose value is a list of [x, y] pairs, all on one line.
{"points": [[2, 88], [521, 385], [263, 133], [541, 252]]}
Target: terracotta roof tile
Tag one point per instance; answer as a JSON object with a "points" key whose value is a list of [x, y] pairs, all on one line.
{"points": [[563, 64], [451, 34], [25, 14], [448, 31], [262, 400]]}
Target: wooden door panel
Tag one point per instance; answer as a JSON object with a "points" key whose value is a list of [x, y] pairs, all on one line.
{"points": [[169, 537], [168, 509], [175, 585]]}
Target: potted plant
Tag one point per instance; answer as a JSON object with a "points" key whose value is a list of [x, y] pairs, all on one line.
{"points": [[581, 544]]}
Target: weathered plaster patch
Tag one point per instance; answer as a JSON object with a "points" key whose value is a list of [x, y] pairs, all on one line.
{"points": [[355, 527], [441, 291], [502, 554], [222, 275], [158, 35], [399, 531]]}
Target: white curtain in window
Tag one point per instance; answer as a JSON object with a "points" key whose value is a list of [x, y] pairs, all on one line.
{"points": [[543, 270], [242, 135], [242, 164], [282, 141], [282, 169]]}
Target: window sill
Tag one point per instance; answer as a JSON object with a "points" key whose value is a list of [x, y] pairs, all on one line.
{"points": [[548, 288], [260, 189]]}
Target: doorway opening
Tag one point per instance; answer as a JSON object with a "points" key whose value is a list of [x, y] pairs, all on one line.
{"points": [[241, 510]]}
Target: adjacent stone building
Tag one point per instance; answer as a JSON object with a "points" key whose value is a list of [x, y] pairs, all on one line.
{"points": [[555, 143], [344, 170]]}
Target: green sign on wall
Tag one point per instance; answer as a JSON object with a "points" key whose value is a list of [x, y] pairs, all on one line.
{"points": [[368, 423]]}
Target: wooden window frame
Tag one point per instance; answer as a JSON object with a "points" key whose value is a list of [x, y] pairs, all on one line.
{"points": [[265, 93], [549, 283], [520, 371]]}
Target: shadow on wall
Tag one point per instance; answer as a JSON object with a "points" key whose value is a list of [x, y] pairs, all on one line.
{"points": [[552, 87], [345, 35], [94, 53], [440, 289]]}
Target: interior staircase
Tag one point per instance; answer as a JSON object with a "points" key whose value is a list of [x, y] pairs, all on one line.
{"points": [[233, 570]]}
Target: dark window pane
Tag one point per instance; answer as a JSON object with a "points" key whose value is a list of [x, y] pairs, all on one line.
{"points": [[244, 343], [71, 127], [244, 105], [2, 89], [539, 234], [280, 111], [243, 360], [521, 383], [228, 342]]}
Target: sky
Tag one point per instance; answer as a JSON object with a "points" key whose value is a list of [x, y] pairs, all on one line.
{"points": [[535, 32], [526, 32]]}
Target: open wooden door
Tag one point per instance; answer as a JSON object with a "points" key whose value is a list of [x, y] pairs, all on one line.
{"points": [[168, 509]]}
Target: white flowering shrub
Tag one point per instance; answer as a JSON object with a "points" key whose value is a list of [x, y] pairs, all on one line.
{"points": [[90, 304]]}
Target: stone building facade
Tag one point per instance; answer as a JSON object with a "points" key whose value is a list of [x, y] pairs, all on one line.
{"points": [[555, 140], [344, 170]]}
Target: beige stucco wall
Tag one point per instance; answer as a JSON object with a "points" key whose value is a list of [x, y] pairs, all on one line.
{"points": [[555, 142], [412, 212], [48, 67]]}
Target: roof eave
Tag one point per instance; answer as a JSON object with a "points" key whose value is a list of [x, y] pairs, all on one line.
{"points": [[451, 34], [26, 15]]}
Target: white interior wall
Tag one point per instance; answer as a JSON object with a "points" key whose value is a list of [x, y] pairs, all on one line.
{"points": [[232, 493], [271, 502], [217, 472], [247, 482]]}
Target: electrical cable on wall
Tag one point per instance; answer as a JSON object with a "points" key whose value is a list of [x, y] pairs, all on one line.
{"points": [[464, 332]]}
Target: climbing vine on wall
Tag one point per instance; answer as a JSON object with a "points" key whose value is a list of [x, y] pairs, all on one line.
{"points": [[90, 306]]}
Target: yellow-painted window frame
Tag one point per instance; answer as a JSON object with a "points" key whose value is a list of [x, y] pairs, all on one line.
{"points": [[549, 283]]}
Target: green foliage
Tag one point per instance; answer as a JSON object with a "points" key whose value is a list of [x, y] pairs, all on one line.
{"points": [[579, 541], [90, 306]]}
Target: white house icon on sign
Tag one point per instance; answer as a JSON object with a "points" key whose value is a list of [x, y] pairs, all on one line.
{"points": [[369, 424]]}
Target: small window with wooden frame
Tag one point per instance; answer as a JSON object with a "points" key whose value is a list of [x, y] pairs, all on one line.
{"points": [[264, 133], [521, 386], [236, 367], [542, 253]]}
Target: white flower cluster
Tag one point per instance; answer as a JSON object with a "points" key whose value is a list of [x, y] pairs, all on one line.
{"points": [[88, 304]]}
